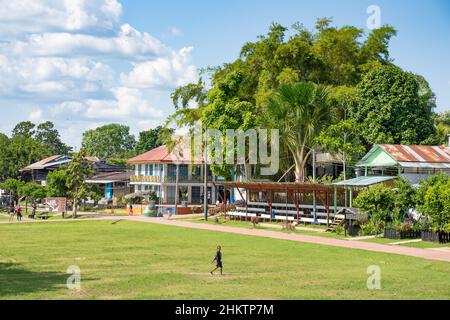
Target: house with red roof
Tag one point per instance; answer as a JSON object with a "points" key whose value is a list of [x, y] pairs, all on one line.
{"points": [[415, 163], [164, 171]]}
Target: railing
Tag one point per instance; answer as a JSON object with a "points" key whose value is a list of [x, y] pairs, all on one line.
{"points": [[168, 179]]}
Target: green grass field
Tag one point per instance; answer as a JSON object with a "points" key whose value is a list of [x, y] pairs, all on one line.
{"points": [[129, 260]]}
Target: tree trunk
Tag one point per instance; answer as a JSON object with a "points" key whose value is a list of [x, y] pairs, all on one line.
{"points": [[74, 210]]}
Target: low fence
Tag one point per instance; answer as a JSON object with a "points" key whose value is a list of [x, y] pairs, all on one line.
{"points": [[438, 237], [391, 233]]}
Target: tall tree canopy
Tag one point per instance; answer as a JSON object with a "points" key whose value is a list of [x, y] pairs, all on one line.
{"points": [[300, 111], [109, 141], [149, 140], [354, 69], [49, 137], [394, 107]]}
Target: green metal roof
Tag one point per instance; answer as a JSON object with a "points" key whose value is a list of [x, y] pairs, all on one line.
{"points": [[363, 181]]}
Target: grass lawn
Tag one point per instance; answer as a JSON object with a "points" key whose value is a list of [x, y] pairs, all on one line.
{"points": [[130, 260], [421, 244]]}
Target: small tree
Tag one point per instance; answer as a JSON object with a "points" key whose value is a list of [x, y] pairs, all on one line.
{"points": [[13, 186], [57, 184], [404, 199], [31, 192], [378, 203], [78, 172], [437, 205]]}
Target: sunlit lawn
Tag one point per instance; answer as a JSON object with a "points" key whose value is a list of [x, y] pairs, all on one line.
{"points": [[131, 260]]}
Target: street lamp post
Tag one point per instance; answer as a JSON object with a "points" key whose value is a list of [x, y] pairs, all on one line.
{"points": [[205, 178]]}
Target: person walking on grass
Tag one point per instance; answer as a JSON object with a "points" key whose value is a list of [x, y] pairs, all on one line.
{"points": [[218, 260]]}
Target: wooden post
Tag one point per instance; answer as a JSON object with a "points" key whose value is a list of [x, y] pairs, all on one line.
{"points": [[270, 204], [328, 209]]}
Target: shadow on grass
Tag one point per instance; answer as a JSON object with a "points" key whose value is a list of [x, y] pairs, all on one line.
{"points": [[17, 281]]}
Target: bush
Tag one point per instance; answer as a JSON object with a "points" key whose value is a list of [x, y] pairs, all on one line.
{"points": [[373, 227], [437, 205], [377, 202]]}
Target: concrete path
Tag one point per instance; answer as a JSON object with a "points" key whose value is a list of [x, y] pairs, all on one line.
{"points": [[441, 255]]}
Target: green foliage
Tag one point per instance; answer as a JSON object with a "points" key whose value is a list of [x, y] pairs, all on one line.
{"points": [[78, 172], [17, 153], [299, 111], [57, 183], [437, 204], [12, 185], [404, 199], [442, 125], [257, 83], [344, 140], [425, 185], [377, 202], [24, 129], [149, 140], [28, 144], [372, 227], [387, 205], [50, 138], [109, 141], [32, 191], [394, 107]]}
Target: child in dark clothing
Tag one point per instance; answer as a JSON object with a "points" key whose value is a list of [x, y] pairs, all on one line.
{"points": [[218, 260]]}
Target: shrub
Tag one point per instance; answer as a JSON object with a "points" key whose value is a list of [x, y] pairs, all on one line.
{"points": [[373, 227], [377, 202], [437, 205]]}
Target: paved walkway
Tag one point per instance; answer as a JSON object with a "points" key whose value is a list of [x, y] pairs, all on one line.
{"points": [[441, 255]]}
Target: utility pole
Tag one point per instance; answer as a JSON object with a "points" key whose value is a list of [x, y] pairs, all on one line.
{"points": [[314, 181], [205, 178]]}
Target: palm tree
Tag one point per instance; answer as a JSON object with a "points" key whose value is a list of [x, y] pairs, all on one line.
{"points": [[300, 111]]}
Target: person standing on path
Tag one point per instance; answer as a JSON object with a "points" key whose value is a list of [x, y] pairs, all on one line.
{"points": [[12, 213], [218, 260], [19, 213], [130, 210]]}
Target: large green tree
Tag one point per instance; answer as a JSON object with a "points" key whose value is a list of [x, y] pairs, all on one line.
{"points": [[300, 112], [50, 138], [394, 107], [19, 152], [109, 141], [149, 140]]}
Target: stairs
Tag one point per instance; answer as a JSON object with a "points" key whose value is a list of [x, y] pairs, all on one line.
{"points": [[339, 220]]}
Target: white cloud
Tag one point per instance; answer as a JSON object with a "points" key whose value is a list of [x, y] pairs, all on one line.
{"points": [[128, 103], [20, 17], [176, 69], [127, 43], [75, 61]]}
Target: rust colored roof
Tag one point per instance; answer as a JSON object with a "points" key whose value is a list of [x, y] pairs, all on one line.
{"points": [[163, 155], [422, 154]]}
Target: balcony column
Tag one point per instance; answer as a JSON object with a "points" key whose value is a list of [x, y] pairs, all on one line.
{"points": [[189, 194]]}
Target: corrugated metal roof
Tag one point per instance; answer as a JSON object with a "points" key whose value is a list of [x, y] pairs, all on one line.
{"points": [[110, 177], [364, 181], [41, 164], [420, 154]]}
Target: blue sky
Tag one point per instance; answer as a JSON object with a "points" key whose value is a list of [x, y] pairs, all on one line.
{"points": [[85, 63]]}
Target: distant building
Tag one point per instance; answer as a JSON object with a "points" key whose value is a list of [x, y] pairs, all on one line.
{"points": [[38, 172], [113, 185], [157, 171], [415, 163]]}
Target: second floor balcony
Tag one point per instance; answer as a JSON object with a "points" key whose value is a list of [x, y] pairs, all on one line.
{"points": [[169, 179]]}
